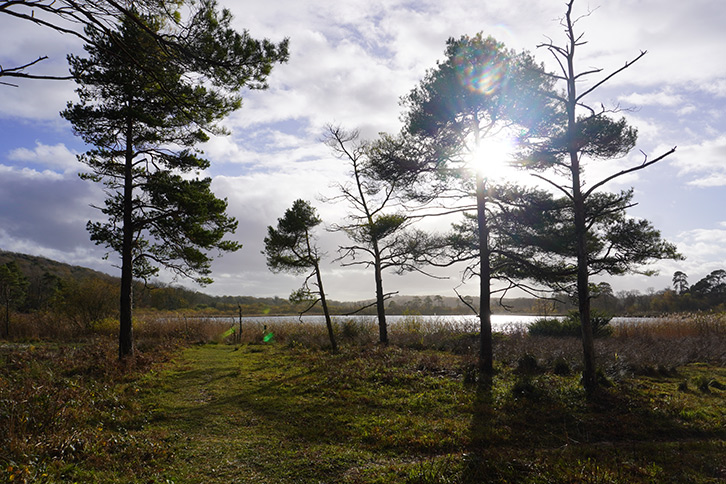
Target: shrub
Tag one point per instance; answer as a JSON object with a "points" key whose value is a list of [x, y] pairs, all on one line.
{"points": [[570, 326], [527, 364], [562, 367], [560, 328], [525, 388], [357, 332]]}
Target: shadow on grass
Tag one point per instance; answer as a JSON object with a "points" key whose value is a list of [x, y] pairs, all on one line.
{"points": [[244, 417], [395, 416], [541, 428]]}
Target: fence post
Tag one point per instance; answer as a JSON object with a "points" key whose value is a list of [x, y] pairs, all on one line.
{"points": [[239, 335]]}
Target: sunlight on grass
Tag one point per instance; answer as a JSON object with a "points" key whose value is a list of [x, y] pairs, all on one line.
{"points": [[288, 410]]}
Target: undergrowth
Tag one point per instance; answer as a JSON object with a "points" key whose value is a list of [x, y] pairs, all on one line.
{"points": [[288, 410]]}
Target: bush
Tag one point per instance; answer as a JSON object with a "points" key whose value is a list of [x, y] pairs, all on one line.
{"points": [[570, 326], [562, 367], [555, 327], [527, 364]]}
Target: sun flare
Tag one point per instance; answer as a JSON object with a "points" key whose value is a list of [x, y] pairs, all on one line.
{"points": [[492, 159]]}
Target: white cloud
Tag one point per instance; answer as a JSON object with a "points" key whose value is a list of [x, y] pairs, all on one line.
{"points": [[714, 180], [716, 87], [29, 173], [56, 157], [661, 98], [704, 250], [687, 109], [707, 161]]}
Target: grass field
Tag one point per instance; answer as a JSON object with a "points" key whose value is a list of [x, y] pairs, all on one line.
{"points": [[288, 412]]}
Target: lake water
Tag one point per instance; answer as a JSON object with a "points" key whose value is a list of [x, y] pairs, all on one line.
{"points": [[500, 322]]}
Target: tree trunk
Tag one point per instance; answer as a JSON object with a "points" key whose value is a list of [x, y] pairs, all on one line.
{"points": [[324, 302], [589, 372], [7, 318], [486, 350], [380, 308], [589, 377], [125, 336]]}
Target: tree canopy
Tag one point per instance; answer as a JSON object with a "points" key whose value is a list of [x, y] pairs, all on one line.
{"points": [[481, 90], [196, 30]]}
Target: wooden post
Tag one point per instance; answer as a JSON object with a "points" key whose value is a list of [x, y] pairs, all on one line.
{"points": [[239, 333]]}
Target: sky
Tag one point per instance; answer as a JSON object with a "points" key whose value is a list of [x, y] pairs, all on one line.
{"points": [[349, 66]]}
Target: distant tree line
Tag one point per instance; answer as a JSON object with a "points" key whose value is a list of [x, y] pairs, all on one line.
{"points": [[707, 294]]}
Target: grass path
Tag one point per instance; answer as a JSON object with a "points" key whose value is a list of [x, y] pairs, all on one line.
{"points": [[269, 415], [234, 416], [263, 415]]}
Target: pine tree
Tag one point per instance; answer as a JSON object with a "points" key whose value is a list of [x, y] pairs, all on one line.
{"points": [[478, 92], [290, 247], [600, 236], [144, 106]]}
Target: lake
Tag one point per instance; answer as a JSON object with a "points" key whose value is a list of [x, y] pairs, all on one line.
{"points": [[500, 322]]}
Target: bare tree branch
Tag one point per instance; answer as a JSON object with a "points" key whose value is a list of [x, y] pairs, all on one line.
{"points": [[467, 303], [645, 164]]}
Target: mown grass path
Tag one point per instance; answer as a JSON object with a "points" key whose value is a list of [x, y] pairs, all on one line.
{"points": [[272, 415], [258, 414]]}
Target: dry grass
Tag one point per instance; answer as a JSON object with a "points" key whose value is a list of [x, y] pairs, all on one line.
{"points": [[634, 347], [62, 404], [70, 410], [638, 347]]}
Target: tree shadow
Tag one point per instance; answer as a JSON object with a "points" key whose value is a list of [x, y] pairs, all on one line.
{"points": [[533, 428]]}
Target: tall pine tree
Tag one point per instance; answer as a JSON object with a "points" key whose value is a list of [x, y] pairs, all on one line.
{"points": [[480, 91], [144, 106], [600, 237]]}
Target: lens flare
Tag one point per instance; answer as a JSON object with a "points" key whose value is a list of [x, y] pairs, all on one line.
{"points": [[479, 73]]}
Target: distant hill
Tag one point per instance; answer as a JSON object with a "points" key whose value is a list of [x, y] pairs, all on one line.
{"points": [[39, 270], [35, 267]]}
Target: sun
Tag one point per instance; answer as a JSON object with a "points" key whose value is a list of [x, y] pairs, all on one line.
{"points": [[493, 158]]}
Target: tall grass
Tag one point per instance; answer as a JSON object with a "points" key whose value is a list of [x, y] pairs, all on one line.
{"points": [[666, 342], [637, 347], [648, 346], [61, 404]]}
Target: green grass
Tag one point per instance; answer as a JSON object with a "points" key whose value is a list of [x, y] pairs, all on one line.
{"points": [[263, 414], [286, 414]]}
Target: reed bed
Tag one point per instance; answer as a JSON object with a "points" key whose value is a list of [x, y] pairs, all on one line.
{"points": [[637, 346]]}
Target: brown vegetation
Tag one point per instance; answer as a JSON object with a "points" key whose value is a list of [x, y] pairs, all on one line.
{"points": [[70, 407]]}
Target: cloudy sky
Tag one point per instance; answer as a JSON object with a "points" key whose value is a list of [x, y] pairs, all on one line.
{"points": [[349, 65]]}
